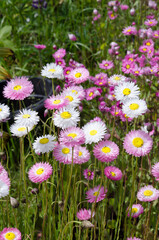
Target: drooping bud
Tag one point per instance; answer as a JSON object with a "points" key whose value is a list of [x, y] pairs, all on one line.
{"points": [[14, 202], [87, 224]]}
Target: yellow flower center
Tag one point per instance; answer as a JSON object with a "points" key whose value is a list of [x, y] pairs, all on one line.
{"points": [[26, 116], [89, 173], [148, 43], [112, 15], [126, 91], [56, 101], [0, 109], [131, 59], [134, 106], [52, 70], [68, 72], [21, 129], [96, 193], [100, 83], [138, 142], [127, 66], [65, 150], [156, 35], [150, 22], [134, 210], [117, 78], [44, 140], [128, 30], [40, 171], [136, 71], [73, 135], [106, 149], [70, 98], [91, 93], [93, 132], [65, 115], [148, 193], [106, 64], [10, 236], [144, 49], [116, 113], [80, 153], [74, 91], [113, 174], [78, 75], [17, 87]]}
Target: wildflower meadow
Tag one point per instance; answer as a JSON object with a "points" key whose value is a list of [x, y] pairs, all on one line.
{"points": [[79, 120]]}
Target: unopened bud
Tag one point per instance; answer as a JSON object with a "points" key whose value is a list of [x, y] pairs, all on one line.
{"points": [[35, 191], [87, 224], [14, 202]]}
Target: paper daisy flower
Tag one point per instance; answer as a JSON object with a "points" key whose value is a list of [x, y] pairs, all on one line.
{"points": [[78, 90], [155, 171], [134, 238], [106, 151], [60, 53], [151, 22], [4, 189], [92, 93], [40, 172], [94, 131], [56, 102], [84, 214], [79, 75], [148, 194], [135, 210], [63, 154], [126, 91], [72, 136], [116, 80], [44, 144], [73, 99], [96, 194], [4, 112], [27, 118], [51, 70], [138, 143], [134, 107], [10, 234], [19, 130], [66, 117], [129, 31], [105, 64], [4, 177], [113, 173], [18, 88], [81, 155], [88, 174]]}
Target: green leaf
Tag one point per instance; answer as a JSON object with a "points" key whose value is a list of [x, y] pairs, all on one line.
{"points": [[5, 32], [83, 45]]}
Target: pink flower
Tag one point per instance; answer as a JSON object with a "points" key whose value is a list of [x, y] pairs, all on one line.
{"points": [[111, 15], [18, 88], [81, 155], [40, 172], [134, 238], [60, 61], [155, 171], [129, 31], [127, 66], [56, 102], [60, 53], [72, 37], [72, 136], [106, 64], [96, 194], [135, 210], [39, 46], [148, 194], [84, 214], [10, 233], [88, 174], [151, 22], [156, 34], [92, 92], [132, 11], [113, 173], [79, 75], [124, 7]]}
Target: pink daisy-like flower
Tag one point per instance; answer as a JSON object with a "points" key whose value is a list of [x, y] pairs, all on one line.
{"points": [[10, 234], [155, 171], [79, 75], [96, 194], [60, 61], [39, 46], [60, 53], [18, 88], [4, 178], [106, 151], [72, 136], [84, 214], [40, 172], [63, 154], [127, 66], [67, 71], [56, 102], [138, 143], [156, 34], [113, 173], [78, 90], [74, 64], [111, 15], [105, 64], [148, 42], [129, 31], [92, 93], [88, 174], [81, 155], [144, 48], [135, 210], [148, 194], [134, 238], [151, 22]]}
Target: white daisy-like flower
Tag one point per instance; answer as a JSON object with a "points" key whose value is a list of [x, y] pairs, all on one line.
{"points": [[126, 91], [134, 107], [19, 130], [94, 131], [51, 70], [78, 90], [44, 144], [66, 117], [116, 80], [4, 189], [73, 99], [4, 112], [27, 118]]}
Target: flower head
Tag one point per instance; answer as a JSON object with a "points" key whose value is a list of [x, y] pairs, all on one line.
{"points": [[79, 75], [116, 80], [135, 210], [148, 194], [96, 194], [129, 31], [155, 171], [88, 174], [19, 130], [39, 46], [51, 70], [84, 214], [40, 172], [72, 136], [125, 91], [134, 107], [105, 64], [4, 112], [56, 102], [113, 173], [44, 144], [10, 234], [60, 53], [27, 118]]}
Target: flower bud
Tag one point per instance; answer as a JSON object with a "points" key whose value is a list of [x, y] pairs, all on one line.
{"points": [[14, 202], [87, 224], [132, 11], [35, 191]]}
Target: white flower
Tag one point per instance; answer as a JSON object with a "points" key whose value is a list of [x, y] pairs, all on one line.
{"points": [[116, 79], [74, 100], [4, 189], [4, 112], [19, 130], [66, 117], [94, 131], [51, 70], [126, 91], [27, 118], [134, 107], [44, 144]]}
